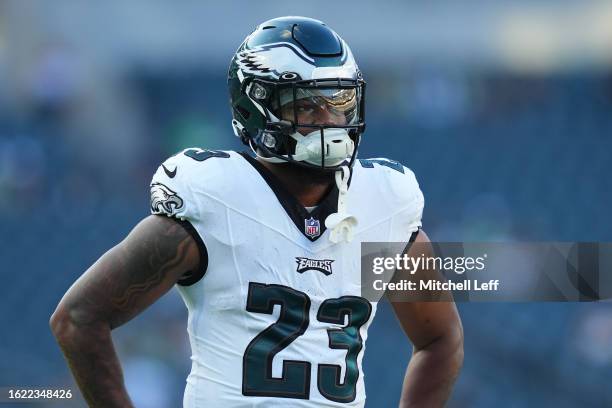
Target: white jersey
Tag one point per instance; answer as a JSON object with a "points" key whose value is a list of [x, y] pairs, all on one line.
{"points": [[277, 318]]}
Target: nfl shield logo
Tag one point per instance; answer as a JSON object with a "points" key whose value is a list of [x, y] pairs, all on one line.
{"points": [[312, 227]]}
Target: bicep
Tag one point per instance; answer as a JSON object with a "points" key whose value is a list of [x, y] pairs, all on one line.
{"points": [[133, 274], [425, 322]]}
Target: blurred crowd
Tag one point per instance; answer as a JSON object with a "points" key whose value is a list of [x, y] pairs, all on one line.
{"points": [[500, 155]]}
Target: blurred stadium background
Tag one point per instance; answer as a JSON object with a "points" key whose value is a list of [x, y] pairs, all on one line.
{"points": [[502, 108]]}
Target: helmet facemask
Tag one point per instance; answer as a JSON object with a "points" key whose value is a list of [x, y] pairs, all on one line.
{"points": [[315, 123]]}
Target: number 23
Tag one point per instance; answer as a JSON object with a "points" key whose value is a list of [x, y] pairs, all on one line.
{"points": [[257, 377]]}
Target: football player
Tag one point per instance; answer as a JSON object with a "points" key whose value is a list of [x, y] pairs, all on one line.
{"points": [[264, 246]]}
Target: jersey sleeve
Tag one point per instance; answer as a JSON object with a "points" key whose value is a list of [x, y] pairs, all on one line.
{"points": [[412, 203], [171, 192], [408, 202]]}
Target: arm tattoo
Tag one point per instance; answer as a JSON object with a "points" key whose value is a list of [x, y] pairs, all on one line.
{"points": [[121, 284], [158, 264], [136, 272]]}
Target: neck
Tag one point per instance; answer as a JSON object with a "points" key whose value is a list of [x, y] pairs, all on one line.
{"points": [[308, 186]]}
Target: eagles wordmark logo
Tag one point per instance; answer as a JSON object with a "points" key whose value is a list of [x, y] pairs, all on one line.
{"points": [[307, 264], [164, 200]]}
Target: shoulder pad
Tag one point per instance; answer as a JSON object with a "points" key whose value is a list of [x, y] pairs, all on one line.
{"points": [[172, 183], [401, 189]]}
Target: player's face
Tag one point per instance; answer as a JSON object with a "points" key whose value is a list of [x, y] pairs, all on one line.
{"points": [[331, 107], [311, 113]]}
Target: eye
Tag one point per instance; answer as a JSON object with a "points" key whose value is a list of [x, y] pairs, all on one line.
{"points": [[305, 109]]}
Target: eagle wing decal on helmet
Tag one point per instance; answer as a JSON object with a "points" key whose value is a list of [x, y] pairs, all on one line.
{"points": [[274, 59]]}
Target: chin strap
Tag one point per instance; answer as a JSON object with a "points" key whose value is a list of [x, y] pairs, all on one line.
{"points": [[341, 223]]}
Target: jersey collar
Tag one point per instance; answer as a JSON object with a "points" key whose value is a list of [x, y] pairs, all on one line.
{"points": [[310, 224]]}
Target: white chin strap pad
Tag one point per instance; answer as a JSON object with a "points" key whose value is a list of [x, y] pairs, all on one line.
{"points": [[337, 146]]}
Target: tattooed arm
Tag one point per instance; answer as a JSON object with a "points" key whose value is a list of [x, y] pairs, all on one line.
{"points": [[120, 285]]}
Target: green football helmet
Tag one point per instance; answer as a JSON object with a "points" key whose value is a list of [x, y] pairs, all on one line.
{"points": [[297, 94]]}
